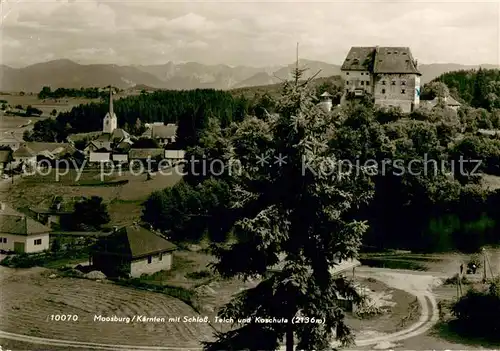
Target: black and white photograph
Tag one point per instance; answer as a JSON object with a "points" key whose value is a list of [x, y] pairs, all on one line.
{"points": [[249, 175]]}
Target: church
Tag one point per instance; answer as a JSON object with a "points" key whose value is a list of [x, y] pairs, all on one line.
{"points": [[112, 140]]}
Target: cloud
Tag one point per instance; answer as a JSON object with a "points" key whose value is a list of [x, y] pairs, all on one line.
{"points": [[249, 33]]}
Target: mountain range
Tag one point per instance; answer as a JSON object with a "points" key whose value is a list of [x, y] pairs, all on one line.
{"points": [[65, 73]]}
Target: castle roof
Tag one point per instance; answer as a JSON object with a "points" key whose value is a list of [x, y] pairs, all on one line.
{"points": [[380, 60]]}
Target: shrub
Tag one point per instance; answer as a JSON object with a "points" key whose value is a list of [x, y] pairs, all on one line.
{"points": [[199, 275], [477, 313]]}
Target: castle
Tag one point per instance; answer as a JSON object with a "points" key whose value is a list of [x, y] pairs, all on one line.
{"points": [[388, 74]]}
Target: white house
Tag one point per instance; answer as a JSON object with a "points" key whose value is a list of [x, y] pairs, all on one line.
{"points": [[388, 74], [132, 250], [20, 234]]}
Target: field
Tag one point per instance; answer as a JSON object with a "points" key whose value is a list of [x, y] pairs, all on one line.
{"points": [[124, 201], [33, 297], [47, 105]]}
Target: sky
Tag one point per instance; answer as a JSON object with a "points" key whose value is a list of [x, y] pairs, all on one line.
{"points": [[257, 33]]}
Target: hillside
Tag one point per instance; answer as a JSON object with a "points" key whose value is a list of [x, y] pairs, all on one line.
{"points": [[191, 75]]}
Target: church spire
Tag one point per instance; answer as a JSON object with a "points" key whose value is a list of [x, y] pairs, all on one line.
{"points": [[110, 101]]}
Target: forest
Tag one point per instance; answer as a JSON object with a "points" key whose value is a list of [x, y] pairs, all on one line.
{"points": [[477, 88]]}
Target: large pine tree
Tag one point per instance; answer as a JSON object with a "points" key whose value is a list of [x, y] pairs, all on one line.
{"points": [[297, 211]]}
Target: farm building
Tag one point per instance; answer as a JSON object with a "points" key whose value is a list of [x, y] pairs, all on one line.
{"points": [[20, 234], [143, 155], [11, 141], [174, 155], [163, 134], [132, 250], [389, 74]]}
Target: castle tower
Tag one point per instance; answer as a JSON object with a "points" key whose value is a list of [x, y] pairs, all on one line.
{"points": [[110, 122], [326, 101]]}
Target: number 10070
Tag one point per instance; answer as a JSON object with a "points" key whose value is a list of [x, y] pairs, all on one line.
{"points": [[63, 317]]}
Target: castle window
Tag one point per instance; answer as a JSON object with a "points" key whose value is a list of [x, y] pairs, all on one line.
{"points": [[403, 82], [407, 61], [395, 52], [362, 83], [388, 52], [367, 82], [346, 82], [383, 82], [346, 73], [383, 91], [403, 91], [38, 241], [393, 82]]}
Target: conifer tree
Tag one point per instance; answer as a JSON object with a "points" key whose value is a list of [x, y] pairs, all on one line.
{"points": [[291, 206]]}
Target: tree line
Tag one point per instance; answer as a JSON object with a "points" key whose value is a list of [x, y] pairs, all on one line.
{"points": [[179, 107], [477, 88], [87, 93]]}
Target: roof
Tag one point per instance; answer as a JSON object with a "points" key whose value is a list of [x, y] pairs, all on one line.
{"points": [[359, 59], [145, 153], [54, 148], [326, 94], [380, 60], [24, 151], [83, 136], [5, 155], [161, 131], [119, 134], [13, 222], [133, 242], [101, 145], [449, 101], [103, 137]]}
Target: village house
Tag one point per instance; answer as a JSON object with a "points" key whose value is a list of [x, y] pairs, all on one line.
{"points": [[447, 101], [388, 74], [21, 234], [143, 155], [174, 155], [11, 141], [132, 250], [163, 134]]}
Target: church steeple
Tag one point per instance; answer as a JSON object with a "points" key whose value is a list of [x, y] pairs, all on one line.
{"points": [[111, 101], [110, 122]]}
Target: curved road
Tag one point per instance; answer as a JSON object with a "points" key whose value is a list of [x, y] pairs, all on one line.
{"points": [[416, 283]]}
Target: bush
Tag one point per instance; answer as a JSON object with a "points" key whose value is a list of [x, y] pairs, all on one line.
{"points": [[198, 275], [477, 313], [454, 280]]}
